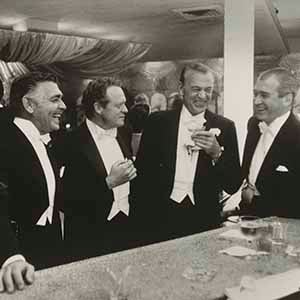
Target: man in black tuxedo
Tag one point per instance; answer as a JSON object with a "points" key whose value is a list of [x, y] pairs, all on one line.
{"points": [[98, 169], [28, 176], [271, 162], [187, 156], [15, 272]]}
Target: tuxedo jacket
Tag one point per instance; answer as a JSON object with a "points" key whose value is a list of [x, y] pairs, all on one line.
{"points": [[156, 164], [8, 240], [26, 194], [278, 178], [87, 198]]}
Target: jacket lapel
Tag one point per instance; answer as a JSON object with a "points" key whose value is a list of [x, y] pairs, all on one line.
{"points": [[29, 159], [90, 150], [171, 140], [275, 151], [124, 143], [250, 146]]}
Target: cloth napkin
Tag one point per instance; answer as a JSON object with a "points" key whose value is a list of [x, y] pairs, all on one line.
{"points": [[268, 288]]}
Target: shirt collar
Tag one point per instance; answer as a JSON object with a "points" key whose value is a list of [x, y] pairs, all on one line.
{"points": [[99, 131], [276, 124], [187, 116], [28, 128]]}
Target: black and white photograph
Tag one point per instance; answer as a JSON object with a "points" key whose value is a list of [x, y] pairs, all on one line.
{"points": [[150, 150]]}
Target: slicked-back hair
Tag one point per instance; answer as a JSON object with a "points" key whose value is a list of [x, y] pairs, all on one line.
{"points": [[288, 83], [25, 83], [96, 92], [198, 67]]}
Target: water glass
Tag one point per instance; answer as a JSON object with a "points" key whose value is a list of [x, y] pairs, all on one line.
{"points": [[279, 234]]}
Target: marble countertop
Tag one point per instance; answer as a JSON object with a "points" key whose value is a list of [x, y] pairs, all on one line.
{"points": [[156, 271]]}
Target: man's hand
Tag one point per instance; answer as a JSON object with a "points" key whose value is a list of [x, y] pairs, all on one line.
{"points": [[207, 141], [121, 172], [16, 275]]}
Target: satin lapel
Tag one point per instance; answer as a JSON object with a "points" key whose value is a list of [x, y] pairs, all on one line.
{"points": [[275, 151], [29, 159], [90, 150], [170, 139], [52, 159], [124, 144], [250, 146]]}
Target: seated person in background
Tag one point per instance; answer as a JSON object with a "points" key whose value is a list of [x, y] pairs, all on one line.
{"points": [[137, 116], [5, 114], [141, 99], [158, 102], [174, 101], [271, 162], [186, 158], [98, 170]]}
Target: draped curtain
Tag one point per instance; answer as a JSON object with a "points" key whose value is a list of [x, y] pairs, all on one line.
{"points": [[80, 56]]}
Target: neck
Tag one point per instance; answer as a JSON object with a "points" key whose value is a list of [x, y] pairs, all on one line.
{"points": [[100, 122]]}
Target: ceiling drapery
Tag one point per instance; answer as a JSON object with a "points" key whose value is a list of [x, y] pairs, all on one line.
{"points": [[83, 57]]}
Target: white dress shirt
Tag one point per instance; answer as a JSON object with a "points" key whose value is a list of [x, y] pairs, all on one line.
{"points": [[186, 161], [110, 152], [36, 140], [264, 144]]}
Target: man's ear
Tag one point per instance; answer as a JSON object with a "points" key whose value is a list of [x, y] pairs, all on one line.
{"points": [[98, 108], [28, 105], [288, 100], [181, 89]]}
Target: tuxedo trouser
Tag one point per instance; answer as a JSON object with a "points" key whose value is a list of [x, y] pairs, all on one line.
{"points": [[180, 219], [185, 218]]}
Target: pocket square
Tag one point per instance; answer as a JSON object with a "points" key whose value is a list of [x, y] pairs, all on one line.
{"points": [[61, 172], [282, 169]]}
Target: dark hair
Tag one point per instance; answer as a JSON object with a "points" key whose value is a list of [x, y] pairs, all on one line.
{"points": [[96, 92], [23, 84], [137, 116], [199, 67], [141, 99], [287, 80]]}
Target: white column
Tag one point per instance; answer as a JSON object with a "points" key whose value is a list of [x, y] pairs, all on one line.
{"points": [[239, 64]]}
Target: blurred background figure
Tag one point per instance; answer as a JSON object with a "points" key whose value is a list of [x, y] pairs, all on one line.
{"points": [[296, 106], [141, 98], [137, 116], [174, 101], [158, 102]]}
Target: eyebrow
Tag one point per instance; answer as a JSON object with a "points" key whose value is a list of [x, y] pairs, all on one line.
{"points": [[261, 92], [59, 95]]}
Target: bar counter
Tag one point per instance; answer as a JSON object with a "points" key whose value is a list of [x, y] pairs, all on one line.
{"points": [[156, 271]]}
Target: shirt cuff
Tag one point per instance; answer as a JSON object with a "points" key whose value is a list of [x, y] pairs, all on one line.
{"points": [[13, 259]]}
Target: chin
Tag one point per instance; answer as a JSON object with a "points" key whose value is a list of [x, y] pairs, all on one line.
{"points": [[55, 128]]}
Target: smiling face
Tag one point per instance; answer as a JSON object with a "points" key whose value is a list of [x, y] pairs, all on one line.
{"points": [[46, 106], [268, 104], [197, 90], [114, 113]]}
